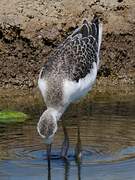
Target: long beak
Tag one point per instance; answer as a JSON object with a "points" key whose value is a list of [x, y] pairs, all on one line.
{"points": [[49, 151]]}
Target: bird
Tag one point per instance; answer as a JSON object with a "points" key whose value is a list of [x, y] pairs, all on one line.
{"points": [[68, 74]]}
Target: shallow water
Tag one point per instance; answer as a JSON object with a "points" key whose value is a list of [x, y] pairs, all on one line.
{"points": [[106, 139]]}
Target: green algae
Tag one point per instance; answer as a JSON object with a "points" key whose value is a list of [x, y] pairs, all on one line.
{"points": [[12, 116]]}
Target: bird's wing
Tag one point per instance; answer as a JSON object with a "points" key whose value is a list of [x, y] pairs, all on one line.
{"points": [[82, 49], [75, 56]]}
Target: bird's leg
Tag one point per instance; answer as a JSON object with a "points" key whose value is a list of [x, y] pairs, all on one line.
{"points": [[65, 144], [78, 148], [49, 151]]}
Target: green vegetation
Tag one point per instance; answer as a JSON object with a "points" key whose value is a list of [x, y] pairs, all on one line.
{"points": [[12, 117]]}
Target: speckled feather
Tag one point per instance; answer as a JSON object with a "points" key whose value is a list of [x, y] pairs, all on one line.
{"points": [[68, 74], [72, 60], [74, 57]]}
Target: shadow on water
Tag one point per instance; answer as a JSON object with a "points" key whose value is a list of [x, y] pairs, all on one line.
{"points": [[101, 133]]}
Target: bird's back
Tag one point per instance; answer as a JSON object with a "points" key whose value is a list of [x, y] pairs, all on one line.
{"points": [[74, 57]]}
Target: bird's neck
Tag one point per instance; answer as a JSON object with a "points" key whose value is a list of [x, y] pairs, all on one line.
{"points": [[56, 113]]}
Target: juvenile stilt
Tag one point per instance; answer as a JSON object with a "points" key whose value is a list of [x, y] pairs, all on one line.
{"points": [[67, 75]]}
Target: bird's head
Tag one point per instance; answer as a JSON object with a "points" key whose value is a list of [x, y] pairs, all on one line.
{"points": [[47, 126]]}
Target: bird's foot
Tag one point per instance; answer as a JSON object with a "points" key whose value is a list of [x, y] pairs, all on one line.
{"points": [[78, 156], [65, 158]]}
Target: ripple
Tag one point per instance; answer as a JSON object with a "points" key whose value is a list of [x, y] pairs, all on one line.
{"points": [[89, 155], [29, 162], [107, 140]]}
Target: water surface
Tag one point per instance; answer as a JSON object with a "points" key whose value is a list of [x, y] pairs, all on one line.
{"points": [[106, 139]]}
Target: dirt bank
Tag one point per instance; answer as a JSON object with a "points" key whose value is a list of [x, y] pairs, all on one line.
{"points": [[31, 29]]}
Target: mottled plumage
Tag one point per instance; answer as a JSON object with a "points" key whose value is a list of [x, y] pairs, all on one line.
{"points": [[70, 71], [74, 57]]}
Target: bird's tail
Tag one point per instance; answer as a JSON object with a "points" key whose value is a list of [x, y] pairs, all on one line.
{"points": [[93, 29], [97, 30]]}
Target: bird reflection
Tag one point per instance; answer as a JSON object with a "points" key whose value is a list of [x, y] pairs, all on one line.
{"points": [[49, 169], [79, 170], [78, 160], [66, 168]]}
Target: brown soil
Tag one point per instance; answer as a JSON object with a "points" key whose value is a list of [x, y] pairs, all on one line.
{"points": [[31, 29]]}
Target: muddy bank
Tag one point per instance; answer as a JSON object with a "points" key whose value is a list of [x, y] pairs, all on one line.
{"points": [[30, 30]]}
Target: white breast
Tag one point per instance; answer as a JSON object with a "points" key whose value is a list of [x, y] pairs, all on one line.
{"points": [[42, 86], [74, 90]]}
